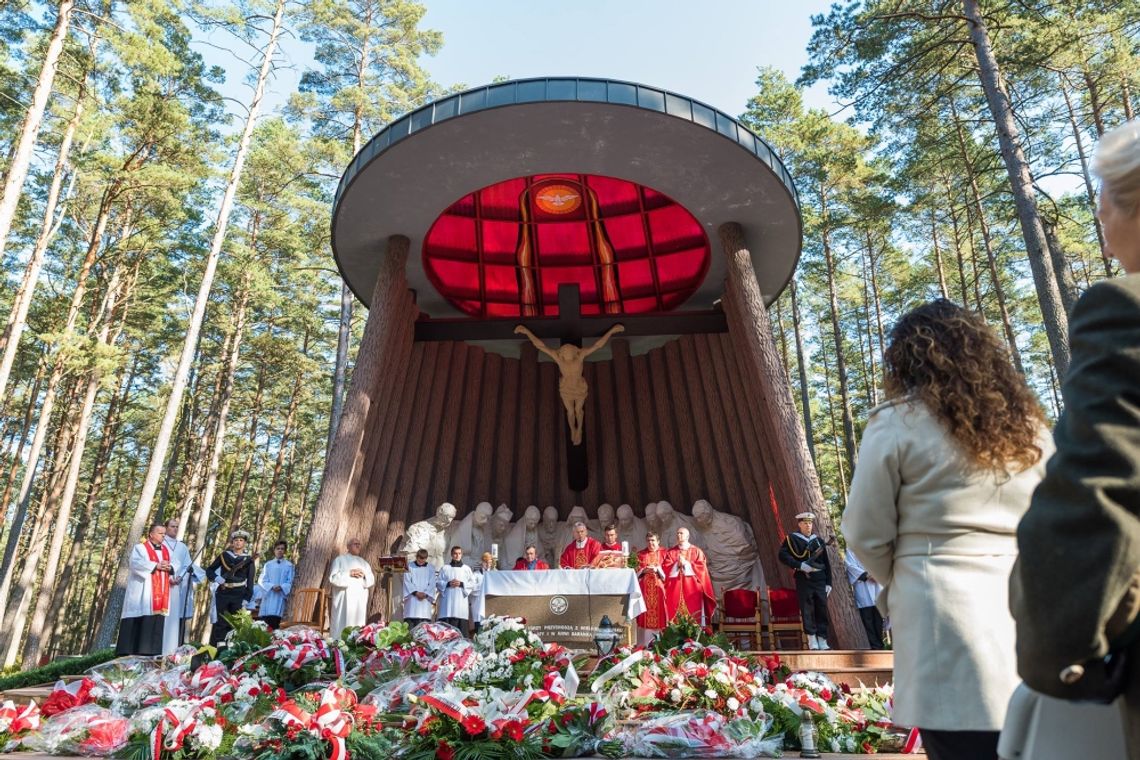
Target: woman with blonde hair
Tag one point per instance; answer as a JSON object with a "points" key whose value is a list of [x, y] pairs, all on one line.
{"points": [[946, 469], [1075, 591]]}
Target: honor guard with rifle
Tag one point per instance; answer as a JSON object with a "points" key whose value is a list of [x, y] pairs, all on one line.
{"points": [[806, 554]]}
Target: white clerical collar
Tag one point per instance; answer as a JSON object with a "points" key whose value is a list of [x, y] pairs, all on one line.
{"points": [[683, 546], [582, 544]]}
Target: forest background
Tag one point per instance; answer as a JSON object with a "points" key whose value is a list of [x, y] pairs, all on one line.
{"points": [[176, 334]]}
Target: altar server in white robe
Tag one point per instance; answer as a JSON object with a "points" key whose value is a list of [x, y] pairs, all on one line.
{"points": [[419, 590], [350, 577], [148, 596], [181, 586], [456, 581], [274, 586], [479, 594]]}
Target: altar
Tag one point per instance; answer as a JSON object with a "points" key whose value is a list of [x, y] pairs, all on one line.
{"points": [[565, 606]]}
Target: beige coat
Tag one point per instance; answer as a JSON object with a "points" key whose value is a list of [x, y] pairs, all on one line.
{"points": [[940, 537]]}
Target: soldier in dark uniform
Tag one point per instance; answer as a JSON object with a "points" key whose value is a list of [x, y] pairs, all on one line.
{"points": [[234, 571], [806, 554]]}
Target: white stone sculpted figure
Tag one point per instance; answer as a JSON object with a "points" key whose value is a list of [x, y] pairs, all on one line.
{"points": [[473, 533], [631, 528], [430, 535], [524, 533], [577, 514], [651, 522], [500, 529], [571, 382], [605, 517], [549, 533], [669, 519], [733, 557]]}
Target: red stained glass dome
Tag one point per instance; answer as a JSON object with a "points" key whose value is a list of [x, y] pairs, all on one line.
{"points": [[503, 251]]}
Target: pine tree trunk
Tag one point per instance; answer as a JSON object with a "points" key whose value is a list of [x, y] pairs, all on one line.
{"points": [[1094, 102], [142, 511], [29, 131], [1065, 282], [47, 406], [957, 235], [801, 363], [340, 369], [84, 525], [14, 468], [1126, 99], [18, 316], [1021, 182], [279, 465], [218, 428], [34, 644], [836, 330], [938, 257], [251, 448], [1090, 190], [987, 242]]}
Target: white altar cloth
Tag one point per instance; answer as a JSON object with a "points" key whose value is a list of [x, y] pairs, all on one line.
{"points": [[622, 582]]}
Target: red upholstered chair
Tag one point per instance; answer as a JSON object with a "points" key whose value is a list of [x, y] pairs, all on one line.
{"points": [[740, 617], [784, 621]]}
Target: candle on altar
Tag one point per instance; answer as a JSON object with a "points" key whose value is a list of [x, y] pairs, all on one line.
{"points": [[495, 551], [625, 547]]}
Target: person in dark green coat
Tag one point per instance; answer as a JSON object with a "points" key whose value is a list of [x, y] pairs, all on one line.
{"points": [[1075, 590]]}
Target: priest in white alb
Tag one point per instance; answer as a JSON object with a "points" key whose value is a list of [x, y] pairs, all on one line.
{"points": [[274, 586], [183, 575], [148, 596], [455, 583], [419, 590], [350, 577]]}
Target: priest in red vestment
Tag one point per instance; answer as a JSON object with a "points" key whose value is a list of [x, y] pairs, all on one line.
{"points": [[651, 578], [580, 552], [611, 541], [530, 560], [688, 587]]}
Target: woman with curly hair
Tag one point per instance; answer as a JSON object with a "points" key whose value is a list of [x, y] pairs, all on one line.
{"points": [[946, 469]]}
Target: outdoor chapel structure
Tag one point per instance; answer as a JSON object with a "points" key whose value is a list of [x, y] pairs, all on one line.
{"points": [[568, 205]]}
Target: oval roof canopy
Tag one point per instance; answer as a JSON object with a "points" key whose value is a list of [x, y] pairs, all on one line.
{"points": [[507, 190]]}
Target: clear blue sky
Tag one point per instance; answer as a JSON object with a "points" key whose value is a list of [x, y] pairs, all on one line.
{"points": [[707, 51]]}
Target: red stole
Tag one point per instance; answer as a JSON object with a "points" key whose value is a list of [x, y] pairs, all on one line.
{"points": [[652, 590], [159, 581]]}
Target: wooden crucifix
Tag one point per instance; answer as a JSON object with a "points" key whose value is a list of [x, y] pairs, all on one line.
{"points": [[570, 358]]}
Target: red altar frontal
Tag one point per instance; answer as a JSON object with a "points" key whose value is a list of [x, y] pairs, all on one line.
{"points": [[567, 282]]}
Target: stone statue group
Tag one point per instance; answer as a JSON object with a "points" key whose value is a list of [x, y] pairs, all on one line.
{"points": [[727, 540]]}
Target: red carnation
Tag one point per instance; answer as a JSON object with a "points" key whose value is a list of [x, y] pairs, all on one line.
{"points": [[515, 730], [444, 751]]}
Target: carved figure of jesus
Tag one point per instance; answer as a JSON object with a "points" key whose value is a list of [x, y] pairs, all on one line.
{"points": [[571, 382]]}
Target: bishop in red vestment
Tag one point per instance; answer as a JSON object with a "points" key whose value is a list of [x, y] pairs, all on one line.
{"points": [[651, 578], [688, 587], [581, 551]]}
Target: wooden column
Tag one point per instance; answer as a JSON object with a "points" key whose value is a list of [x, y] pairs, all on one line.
{"points": [[389, 296], [790, 469]]}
